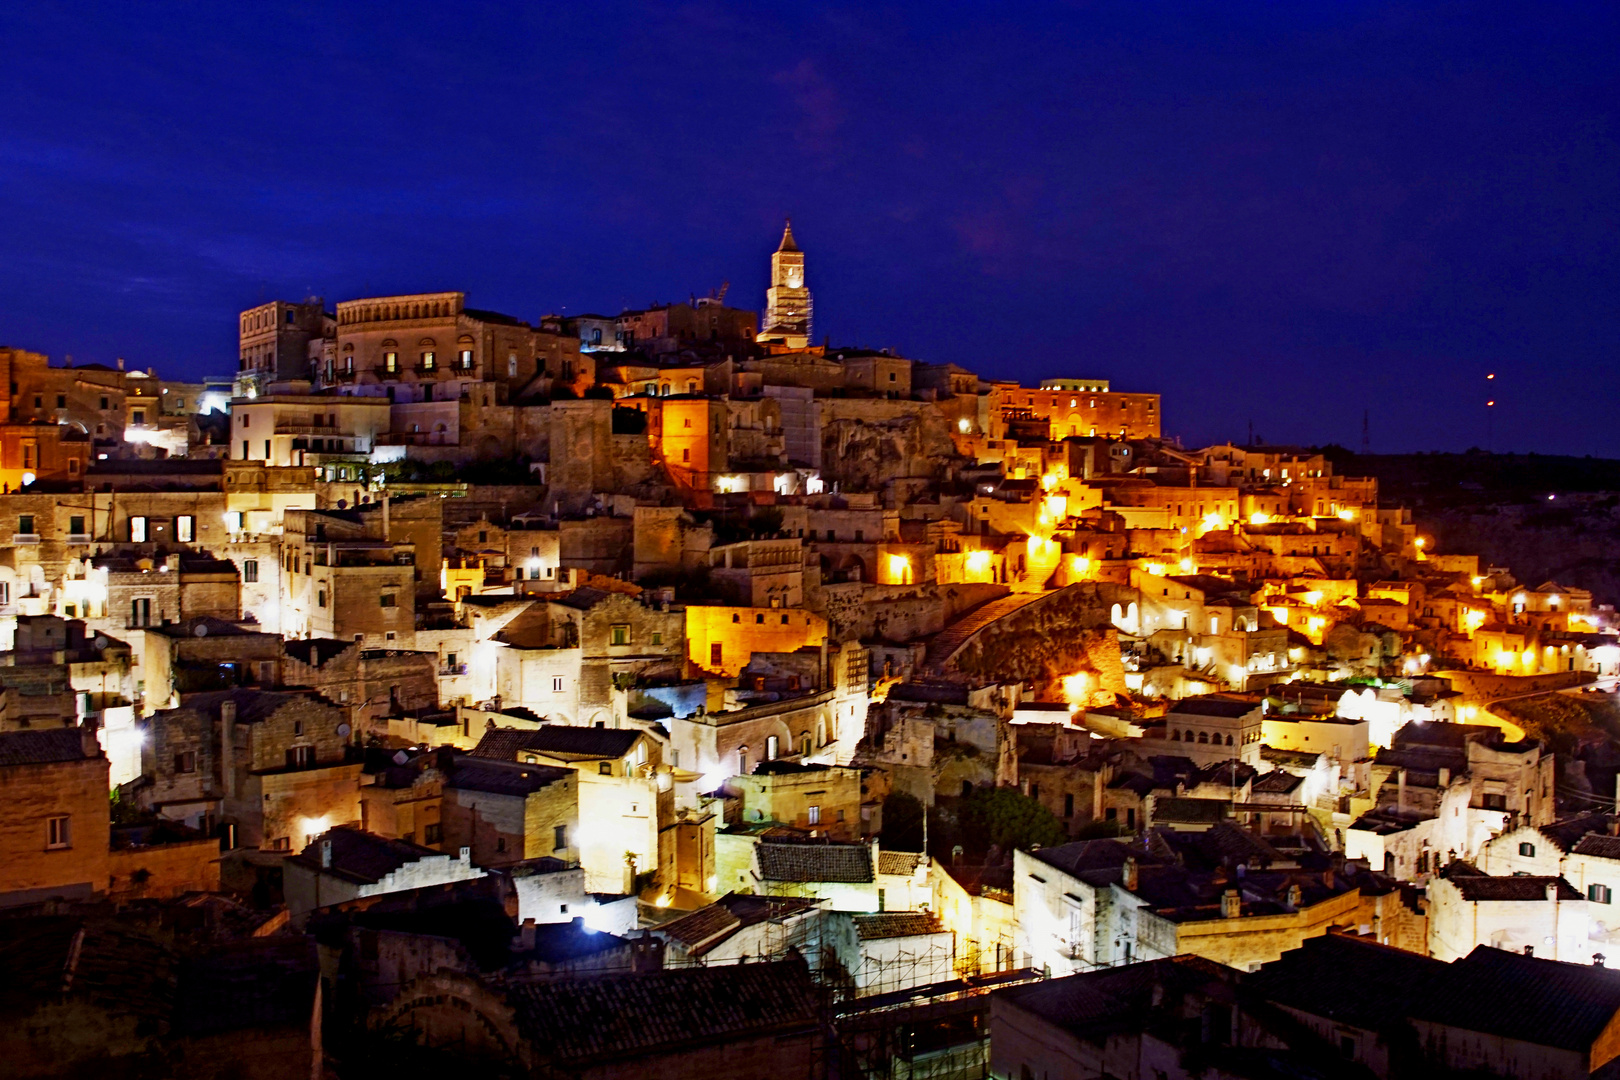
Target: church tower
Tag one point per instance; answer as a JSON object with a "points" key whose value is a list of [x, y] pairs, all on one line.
{"points": [[787, 301]]}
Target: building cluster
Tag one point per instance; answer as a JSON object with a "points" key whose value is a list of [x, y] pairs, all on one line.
{"points": [[670, 694]]}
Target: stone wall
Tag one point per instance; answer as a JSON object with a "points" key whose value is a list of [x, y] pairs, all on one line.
{"points": [[32, 794]]}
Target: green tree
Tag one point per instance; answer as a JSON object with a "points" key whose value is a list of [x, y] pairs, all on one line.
{"points": [[902, 822], [1009, 819]]}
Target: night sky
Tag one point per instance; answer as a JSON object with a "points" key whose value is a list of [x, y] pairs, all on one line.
{"points": [[1284, 213]]}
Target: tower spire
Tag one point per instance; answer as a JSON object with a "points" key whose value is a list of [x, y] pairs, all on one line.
{"points": [[787, 238]]}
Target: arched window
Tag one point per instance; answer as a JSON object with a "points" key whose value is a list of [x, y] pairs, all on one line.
{"points": [[742, 761], [821, 733], [1229, 740], [772, 744], [1175, 735], [804, 745], [1203, 736]]}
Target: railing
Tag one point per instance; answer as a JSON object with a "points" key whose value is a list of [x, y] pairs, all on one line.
{"points": [[452, 669], [288, 427], [25, 538], [78, 538], [425, 369]]}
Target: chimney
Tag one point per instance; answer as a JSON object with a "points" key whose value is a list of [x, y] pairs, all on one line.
{"points": [[1130, 878], [1552, 892], [1231, 904], [526, 935], [88, 741], [1400, 792], [466, 855], [227, 746], [385, 536], [326, 854], [1445, 777]]}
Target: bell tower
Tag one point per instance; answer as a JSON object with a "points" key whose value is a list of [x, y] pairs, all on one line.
{"points": [[787, 301]]}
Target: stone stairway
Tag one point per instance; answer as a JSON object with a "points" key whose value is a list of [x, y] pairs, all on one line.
{"points": [[948, 641]]}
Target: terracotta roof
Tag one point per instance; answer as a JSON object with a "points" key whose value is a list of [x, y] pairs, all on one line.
{"points": [[1525, 998], [893, 924], [1486, 888], [850, 863], [361, 857], [557, 740], [623, 1016], [900, 863], [41, 747], [502, 777], [1600, 845]]}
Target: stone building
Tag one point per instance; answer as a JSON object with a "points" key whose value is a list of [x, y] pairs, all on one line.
{"points": [[54, 834], [787, 301], [280, 342], [276, 768], [347, 863], [509, 811]]}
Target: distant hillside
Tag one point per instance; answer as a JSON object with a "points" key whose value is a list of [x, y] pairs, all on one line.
{"points": [[1499, 506]]}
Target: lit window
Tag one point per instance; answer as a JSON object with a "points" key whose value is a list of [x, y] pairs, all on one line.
{"points": [[814, 814], [137, 530], [185, 528]]}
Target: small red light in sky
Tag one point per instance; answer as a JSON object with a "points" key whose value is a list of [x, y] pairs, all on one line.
{"points": [[1490, 403], [1492, 376]]}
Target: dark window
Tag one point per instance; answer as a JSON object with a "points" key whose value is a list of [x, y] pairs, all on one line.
{"points": [[714, 654], [25, 523], [559, 837], [76, 524], [605, 768], [186, 762], [1527, 850], [387, 600], [1599, 894], [1068, 806], [433, 834], [250, 570], [300, 757]]}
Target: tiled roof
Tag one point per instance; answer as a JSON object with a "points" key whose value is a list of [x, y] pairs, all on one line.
{"points": [[1568, 832], [624, 1016], [1601, 845], [1484, 888], [893, 924], [1524, 998], [41, 747], [501, 777], [360, 856], [850, 863], [1277, 783], [1297, 981], [557, 740], [900, 863]]}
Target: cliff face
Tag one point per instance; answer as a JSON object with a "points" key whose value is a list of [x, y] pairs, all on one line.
{"points": [[1542, 517], [1574, 540], [866, 443]]}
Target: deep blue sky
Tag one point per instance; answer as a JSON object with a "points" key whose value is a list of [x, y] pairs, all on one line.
{"points": [[1280, 212]]}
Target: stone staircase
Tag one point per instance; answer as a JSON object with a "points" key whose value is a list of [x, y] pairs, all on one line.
{"points": [[949, 641]]}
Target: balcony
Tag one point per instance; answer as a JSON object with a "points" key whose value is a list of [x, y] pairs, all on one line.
{"points": [[342, 376], [448, 670], [25, 538], [426, 369], [289, 427]]}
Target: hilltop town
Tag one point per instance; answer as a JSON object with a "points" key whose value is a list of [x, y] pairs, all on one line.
{"points": [[675, 693]]}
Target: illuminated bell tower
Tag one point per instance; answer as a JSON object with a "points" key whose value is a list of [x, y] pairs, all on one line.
{"points": [[787, 301]]}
